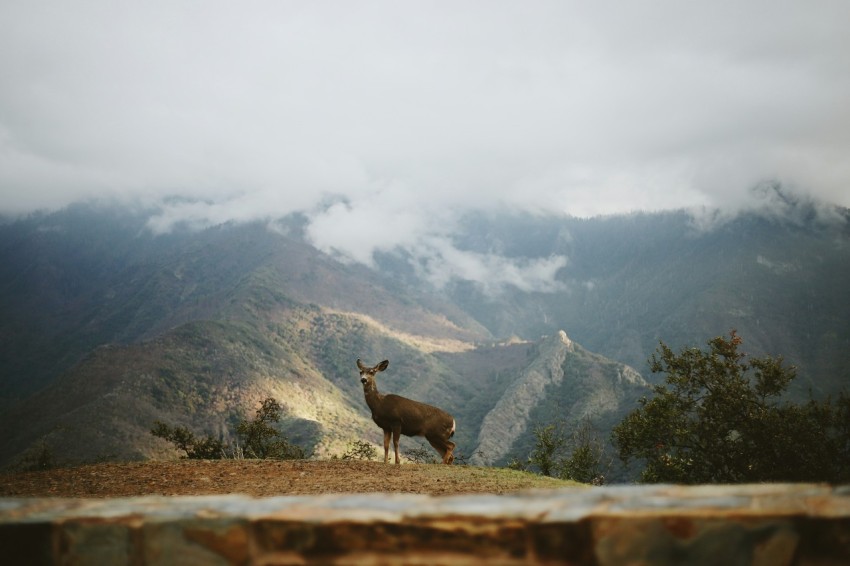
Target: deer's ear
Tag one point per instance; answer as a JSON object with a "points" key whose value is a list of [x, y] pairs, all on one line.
{"points": [[383, 365], [360, 365]]}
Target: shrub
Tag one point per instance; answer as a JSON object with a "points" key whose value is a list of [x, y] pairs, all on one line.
{"points": [[548, 447], [39, 457], [420, 455], [262, 440], [259, 438], [585, 461], [182, 438], [575, 457], [360, 450]]}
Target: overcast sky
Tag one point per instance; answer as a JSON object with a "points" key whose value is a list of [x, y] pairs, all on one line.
{"points": [[383, 120]]}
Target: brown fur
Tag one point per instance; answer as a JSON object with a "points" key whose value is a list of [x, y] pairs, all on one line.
{"points": [[398, 415]]}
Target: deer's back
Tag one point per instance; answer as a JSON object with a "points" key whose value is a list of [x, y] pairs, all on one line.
{"points": [[413, 416]]}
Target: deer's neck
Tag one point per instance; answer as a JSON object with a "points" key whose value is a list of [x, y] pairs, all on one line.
{"points": [[373, 398]]}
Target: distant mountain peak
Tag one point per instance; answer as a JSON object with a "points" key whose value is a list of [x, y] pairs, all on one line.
{"points": [[565, 339], [512, 415]]}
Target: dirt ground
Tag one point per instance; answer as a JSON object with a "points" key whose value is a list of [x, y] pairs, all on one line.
{"points": [[261, 478]]}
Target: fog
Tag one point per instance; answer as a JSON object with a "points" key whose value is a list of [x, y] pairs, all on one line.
{"points": [[384, 122]]}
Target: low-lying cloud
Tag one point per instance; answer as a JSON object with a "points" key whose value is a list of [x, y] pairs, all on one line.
{"points": [[384, 121], [423, 234]]}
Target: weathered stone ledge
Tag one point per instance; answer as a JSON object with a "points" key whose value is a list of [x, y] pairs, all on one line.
{"points": [[729, 525]]}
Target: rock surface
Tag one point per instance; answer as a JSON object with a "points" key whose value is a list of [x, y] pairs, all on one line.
{"points": [[507, 420], [729, 525]]}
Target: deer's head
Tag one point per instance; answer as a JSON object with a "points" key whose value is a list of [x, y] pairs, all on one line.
{"points": [[367, 374]]}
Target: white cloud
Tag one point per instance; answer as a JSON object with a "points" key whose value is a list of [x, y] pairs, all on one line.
{"points": [[355, 230], [441, 263], [393, 220], [262, 108]]}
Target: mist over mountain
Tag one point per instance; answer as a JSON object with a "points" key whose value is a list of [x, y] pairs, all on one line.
{"points": [[108, 324], [633, 280]]}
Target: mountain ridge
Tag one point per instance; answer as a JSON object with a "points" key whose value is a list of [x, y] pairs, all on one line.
{"points": [[97, 310], [508, 419]]}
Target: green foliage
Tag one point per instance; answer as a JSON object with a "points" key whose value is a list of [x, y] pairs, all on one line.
{"points": [[462, 459], [262, 440], [718, 419], [208, 448], [518, 465], [39, 457], [575, 457], [585, 462], [420, 455], [259, 438], [360, 450], [549, 445], [182, 438]]}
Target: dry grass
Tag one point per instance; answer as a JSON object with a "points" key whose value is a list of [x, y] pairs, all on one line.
{"points": [[263, 478]]}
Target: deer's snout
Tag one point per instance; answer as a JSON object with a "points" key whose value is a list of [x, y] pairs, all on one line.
{"points": [[363, 380]]}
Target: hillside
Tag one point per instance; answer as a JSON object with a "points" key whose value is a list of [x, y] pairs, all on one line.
{"points": [[633, 280], [78, 279], [209, 375], [107, 326]]}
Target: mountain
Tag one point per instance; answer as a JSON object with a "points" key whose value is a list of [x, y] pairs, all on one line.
{"points": [[634, 280], [106, 326], [75, 280], [208, 375], [564, 381]]}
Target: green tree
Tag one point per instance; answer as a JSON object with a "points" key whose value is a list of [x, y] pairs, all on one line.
{"points": [[548, 448], [575, 457], [207, 448], [585, 461], [719, 418], [260, 439]]}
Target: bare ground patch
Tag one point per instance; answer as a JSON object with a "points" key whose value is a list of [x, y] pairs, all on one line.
{"points": [[262, 478]]}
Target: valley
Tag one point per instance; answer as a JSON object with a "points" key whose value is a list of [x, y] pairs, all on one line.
{"points": [[107, 327]]}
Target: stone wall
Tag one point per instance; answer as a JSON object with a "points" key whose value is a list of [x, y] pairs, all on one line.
{"points": [[707, 525]]}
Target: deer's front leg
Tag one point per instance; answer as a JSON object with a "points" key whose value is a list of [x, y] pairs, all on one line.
{"points": [[396, 434], [386, 445]]}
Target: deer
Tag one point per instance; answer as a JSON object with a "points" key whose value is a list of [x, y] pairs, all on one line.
{"points": [[397, 415]]}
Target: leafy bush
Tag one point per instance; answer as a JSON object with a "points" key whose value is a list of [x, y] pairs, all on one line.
{"points": [[576, 457], [39, 457], [360, 450], [585, 462], [420, 455], [182, 438], [718, 418], [462, 459], [548, 447], [516, 464], [261, 440]]}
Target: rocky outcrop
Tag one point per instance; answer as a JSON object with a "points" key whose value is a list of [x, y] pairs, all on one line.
{"points": [[756, 524], [565, 383], [509, 417]]}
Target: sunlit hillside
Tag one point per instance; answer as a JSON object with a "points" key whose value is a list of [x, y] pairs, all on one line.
{"points": [[107, 327]]}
